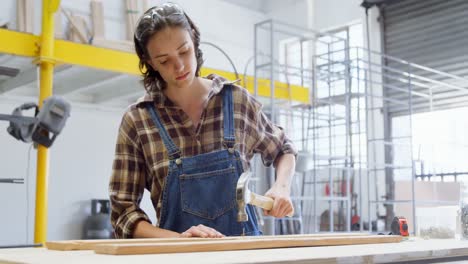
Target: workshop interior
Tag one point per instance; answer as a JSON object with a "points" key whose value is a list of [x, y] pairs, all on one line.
{"points": [[373, 94]]}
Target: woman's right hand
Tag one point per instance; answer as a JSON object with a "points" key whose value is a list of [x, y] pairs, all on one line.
{"points": [[201, 231]]}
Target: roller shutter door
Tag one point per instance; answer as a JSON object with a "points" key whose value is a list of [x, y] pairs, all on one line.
{"points": [[433, 33]]}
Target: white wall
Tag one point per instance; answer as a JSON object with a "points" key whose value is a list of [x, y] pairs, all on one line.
{"points": [[80, 166], [14, 164], [330, 14], [81, 162], [292, 12], [81, 157], [7, 11], [229, 26]]}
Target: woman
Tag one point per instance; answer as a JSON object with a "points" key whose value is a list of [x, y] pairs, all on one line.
{"points": [[188, 140]]}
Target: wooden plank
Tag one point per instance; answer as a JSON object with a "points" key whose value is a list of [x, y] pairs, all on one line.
{"points": [[78, 30], [134, 18], [78, 27], [97, 16], [91, 243], [132, 14], [240, 244], [20, 15], [58, 25], [29, 16], [128, 19], [25, 16]]}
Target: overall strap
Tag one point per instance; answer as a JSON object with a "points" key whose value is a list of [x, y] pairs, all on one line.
{"points": [[173, 151], [228, 117]]}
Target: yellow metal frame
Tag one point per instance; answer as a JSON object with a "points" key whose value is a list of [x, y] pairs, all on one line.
{"points": [[23, 44], [46, 63], [18, 43], [47, 51]]}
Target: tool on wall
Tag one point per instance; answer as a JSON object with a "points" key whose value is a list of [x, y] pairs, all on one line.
{"points": [[50, 119]]}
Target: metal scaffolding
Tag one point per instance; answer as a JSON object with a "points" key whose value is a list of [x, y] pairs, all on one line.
{"points": [[325, 165], [352, 149]]}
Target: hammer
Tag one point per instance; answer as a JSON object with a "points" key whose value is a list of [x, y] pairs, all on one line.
{"points": [[244, 196]]}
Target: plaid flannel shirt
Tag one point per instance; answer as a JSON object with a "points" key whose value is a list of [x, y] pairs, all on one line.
{"points": [[141, 160]]}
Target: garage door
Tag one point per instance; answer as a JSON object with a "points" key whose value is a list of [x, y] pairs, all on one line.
{"points": [[433, 33]]}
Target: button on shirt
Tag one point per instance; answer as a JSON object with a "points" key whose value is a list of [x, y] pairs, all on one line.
{"points": [[141, 160]]}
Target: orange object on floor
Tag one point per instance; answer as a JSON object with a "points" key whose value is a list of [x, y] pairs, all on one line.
{"points": [[400, 226]]}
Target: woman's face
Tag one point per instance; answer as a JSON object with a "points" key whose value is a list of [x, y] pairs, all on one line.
{"points": [[172, 54]]}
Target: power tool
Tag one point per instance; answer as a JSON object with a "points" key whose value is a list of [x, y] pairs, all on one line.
{"points": [[44, 126], [399, 226]]}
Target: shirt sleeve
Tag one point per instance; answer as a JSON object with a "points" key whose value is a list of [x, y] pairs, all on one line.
{"points": [[127, 181], [271, 140]]}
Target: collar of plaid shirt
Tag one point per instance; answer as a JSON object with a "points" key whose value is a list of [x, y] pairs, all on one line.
{"points": [[161, 101]]}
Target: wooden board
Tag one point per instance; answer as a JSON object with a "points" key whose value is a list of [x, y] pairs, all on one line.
{"points": [[132, 15], [77, 25], [29, 16], [20, 23], [25, 15], [97, 16], [58, 26], [240, 244], [78, 29], [91, 243]]}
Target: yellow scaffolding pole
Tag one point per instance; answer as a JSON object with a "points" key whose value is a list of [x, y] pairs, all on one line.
{"points": [[46, 62]]}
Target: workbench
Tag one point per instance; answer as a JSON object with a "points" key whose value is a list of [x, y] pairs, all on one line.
{"points": [[413, 249]]}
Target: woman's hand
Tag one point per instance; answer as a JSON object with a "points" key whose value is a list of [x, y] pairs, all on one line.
{"points": [[201, 231], [282, 204]]}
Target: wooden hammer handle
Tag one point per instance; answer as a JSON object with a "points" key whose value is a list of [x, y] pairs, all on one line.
{"points": [[263, 202]]}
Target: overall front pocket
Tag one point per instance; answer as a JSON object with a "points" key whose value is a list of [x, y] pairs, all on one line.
{"points": [[208, 194]]}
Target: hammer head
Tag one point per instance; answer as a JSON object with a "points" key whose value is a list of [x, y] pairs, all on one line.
{"points": [[243, 196]]}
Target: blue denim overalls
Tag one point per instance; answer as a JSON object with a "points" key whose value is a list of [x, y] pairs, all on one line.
{"points": [[202, 189]]}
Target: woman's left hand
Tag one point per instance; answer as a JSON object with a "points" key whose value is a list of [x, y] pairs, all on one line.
{"points": [[282, 204]]}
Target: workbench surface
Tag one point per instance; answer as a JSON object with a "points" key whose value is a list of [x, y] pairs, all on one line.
{"points": [[412, 249]]}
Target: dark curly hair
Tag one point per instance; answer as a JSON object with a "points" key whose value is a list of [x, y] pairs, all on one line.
{"points": [[152, 21]]}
